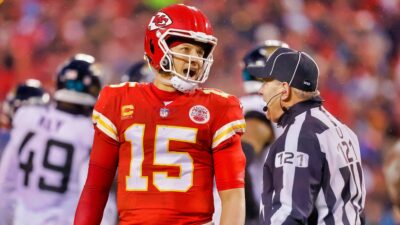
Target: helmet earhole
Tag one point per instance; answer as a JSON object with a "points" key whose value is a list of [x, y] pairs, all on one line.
{"points": [[151, 46], [165, 63]]}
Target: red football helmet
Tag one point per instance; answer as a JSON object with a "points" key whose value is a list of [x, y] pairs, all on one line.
{"points": [[179, 23]]}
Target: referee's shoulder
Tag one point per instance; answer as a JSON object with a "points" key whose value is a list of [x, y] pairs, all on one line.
{"points": [[316, 124], [311, 130]]}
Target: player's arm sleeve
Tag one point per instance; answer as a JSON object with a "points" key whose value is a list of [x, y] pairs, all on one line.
{"points": [[102, 164], [8, 168], [102, 168], [229, 159], [299, 171], [106, 112]]}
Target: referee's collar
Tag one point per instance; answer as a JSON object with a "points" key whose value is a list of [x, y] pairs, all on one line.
{"points": [[298, 108]]}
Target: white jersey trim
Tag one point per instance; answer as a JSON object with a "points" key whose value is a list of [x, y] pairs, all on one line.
{"points": [[227, 131]]}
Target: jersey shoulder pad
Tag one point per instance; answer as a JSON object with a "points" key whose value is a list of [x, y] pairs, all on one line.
{"points": [[115, 89], [215, 92], [123, 84], [221, 97], [28, 114], [110, 92], [107, 110], [228, 119]]}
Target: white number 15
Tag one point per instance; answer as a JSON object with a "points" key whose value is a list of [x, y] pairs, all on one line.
{"points": [[162, 156]]}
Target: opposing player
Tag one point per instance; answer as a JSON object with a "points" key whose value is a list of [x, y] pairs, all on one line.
{"points": [[252, 101], [139, 72], [260, 132], [42, 164], [168, 138], [29, 92]]}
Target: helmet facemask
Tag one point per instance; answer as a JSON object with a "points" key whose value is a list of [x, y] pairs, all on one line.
{"points": [[208, 44]]}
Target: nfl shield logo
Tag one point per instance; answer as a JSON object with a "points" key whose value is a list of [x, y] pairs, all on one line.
{"points": [[164, 112]]}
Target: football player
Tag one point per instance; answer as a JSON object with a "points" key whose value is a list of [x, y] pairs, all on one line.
{"points": [[29, 92], [259, 130], [252, 101], [139, 72], [42, 166], [170, 137]]}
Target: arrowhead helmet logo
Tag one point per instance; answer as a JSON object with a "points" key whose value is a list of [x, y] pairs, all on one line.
{"points": [[159, 20]]}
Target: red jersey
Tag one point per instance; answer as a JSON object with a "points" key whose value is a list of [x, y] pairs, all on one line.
{"points": [[166, 153]]}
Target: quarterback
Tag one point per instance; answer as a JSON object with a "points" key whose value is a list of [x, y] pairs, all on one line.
{"points": [[168, 138]]}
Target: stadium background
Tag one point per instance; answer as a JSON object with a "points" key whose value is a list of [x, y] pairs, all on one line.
{"points": [[355, 42]]}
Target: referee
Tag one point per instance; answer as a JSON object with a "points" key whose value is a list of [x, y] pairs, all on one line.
{"points": [[313, 173]]}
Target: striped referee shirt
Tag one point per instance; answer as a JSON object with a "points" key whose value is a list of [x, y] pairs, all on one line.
{"points": [[313, 174]]}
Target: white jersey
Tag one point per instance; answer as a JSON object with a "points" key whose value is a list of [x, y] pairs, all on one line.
{"points": [[252, 102], [42, 166], [255, 102]]}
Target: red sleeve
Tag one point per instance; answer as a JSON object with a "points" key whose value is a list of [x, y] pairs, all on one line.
{"points": [[228, 122], [107, 111], [229, 164], [102, 168]]}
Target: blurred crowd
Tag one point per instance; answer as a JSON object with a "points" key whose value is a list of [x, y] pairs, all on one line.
{"points": [[355, 42]]}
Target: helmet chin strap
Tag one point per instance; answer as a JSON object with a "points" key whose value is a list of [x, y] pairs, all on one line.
{"points": [[182, 85], [179, 84]]}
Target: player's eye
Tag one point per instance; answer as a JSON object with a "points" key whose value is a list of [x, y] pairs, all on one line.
{"points": [[200, 52], [185, 49]]}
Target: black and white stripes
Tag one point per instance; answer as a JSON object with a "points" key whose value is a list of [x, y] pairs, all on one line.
{"points": [[313, 167]]}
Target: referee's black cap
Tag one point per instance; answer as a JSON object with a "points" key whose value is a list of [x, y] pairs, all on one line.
{"points": [[296, 68]]}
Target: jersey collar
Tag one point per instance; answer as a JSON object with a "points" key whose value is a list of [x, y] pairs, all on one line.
{"points": [[289, 115], [164, 95]]}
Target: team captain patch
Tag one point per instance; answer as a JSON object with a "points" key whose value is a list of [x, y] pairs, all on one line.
{"points": [[199, 114]]}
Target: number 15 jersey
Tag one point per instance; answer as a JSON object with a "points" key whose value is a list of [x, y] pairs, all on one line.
{"points": [[170, 150]]}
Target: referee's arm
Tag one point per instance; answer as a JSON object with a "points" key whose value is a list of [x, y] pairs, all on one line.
{"points": [[301, 173]]}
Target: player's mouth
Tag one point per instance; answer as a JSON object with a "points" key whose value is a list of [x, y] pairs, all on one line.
{"points": [[191, 72]]}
